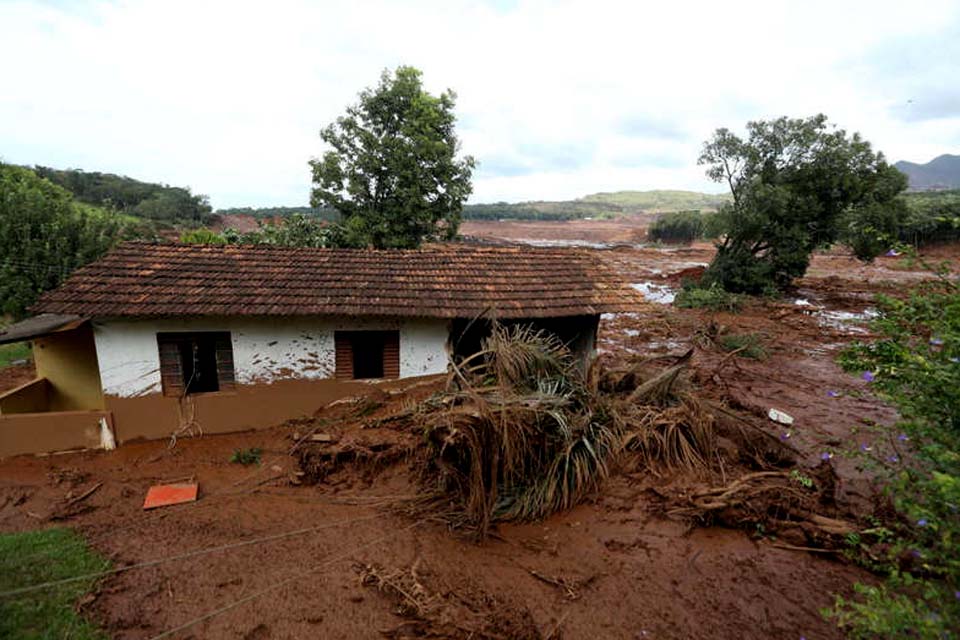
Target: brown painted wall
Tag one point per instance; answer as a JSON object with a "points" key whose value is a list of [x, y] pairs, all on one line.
{"points": [[44, 432], [248, 407], [31, 397], [68, 360]]}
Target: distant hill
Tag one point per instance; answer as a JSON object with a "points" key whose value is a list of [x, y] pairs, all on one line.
{"points": [[597, 205], [660, 200], [943, 172]]}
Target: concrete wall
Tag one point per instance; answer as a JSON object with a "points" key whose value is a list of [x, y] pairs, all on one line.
{"points": [[32, 397], [47, 432], [284, 369], [68, 361]]}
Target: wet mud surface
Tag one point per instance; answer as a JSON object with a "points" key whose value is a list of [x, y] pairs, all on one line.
{"points": [[616, 566]]}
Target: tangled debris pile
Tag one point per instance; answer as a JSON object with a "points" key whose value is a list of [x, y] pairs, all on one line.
{"points": [[522, 431]]}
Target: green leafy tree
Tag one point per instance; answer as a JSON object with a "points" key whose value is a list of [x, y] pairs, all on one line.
{"points": [[792, 182], [44, 236], [392, 169]]}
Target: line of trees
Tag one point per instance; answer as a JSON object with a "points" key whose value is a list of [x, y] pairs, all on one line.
{"points": [[158, 203]]}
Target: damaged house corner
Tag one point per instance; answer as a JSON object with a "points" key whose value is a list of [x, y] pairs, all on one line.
{"points": [[158, 341]]}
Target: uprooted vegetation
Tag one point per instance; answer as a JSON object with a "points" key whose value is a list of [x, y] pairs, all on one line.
{"points": [[521, 431]]}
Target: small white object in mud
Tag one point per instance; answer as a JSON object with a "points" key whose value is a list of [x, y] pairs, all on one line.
{"points": [[779, 416]]}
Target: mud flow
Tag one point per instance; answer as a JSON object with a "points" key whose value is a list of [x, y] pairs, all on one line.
{"points": [[369, 519]]}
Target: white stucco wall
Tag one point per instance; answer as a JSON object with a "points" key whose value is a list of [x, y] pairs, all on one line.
{"points": [[264, 349]]}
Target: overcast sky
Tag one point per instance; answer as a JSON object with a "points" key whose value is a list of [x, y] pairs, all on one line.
{"points": [[555, 99]]}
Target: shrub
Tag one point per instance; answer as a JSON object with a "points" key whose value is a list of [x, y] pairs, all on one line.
{"points": [[677, 226], [746, 345], [202, 236], [916, 365], [712, 297], [246, 457]]}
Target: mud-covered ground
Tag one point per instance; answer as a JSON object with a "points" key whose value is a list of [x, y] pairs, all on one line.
{"points": [[614, 567]]}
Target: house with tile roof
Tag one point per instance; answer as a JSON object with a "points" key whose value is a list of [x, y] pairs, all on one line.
{"points": [[154, 340]]}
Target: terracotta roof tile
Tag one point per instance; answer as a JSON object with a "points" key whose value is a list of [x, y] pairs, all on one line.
{"points": [[447, 281]]}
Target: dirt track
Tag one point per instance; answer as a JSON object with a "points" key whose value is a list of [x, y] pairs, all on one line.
{"points": [[632, 572]]}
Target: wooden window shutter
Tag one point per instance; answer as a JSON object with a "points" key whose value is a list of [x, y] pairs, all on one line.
{"points": [[224, 351], [171, 371], [391, 354], [343, 355]]}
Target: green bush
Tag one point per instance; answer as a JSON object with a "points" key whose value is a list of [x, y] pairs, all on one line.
{"points": [[246, 457], [747, 345], [916, 365], [712, 297], [678, 226], [202, 236]]}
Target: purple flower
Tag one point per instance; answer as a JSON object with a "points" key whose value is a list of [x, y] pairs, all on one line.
{"points": [[936, 342], [785, 435], [893, 253], [865, 447], [893, 459], [915, 553], [922, 522], [956, 594], [833, 394], [903, 437], [826, 455], [868, 376]]}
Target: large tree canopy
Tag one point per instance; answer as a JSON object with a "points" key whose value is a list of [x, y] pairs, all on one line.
{"points": [[392, 169], [44, 235], [795, 184]]}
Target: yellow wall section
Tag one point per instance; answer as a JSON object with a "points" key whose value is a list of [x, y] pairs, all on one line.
{"points": [[68, 360]]}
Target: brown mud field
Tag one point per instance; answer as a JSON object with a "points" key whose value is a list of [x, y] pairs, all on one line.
{"points": [[331, 560]]}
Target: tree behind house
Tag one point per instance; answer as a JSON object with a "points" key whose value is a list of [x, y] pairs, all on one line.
{"points": [[392, 169], [795, 182]]}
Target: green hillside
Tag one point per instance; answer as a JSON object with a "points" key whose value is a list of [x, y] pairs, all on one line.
{"points": [[659, 200], [159, 204]]}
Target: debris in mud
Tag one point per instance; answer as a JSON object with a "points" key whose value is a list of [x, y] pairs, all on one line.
{"points": [[165, 495], [780, 416], [445, 614]]}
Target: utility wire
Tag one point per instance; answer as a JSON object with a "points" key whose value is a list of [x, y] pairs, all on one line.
{"points": [[300, 574], [182, 556]]}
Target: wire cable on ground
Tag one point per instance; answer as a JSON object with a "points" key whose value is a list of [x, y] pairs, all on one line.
{"points": [[284, 582], [184, 556]]}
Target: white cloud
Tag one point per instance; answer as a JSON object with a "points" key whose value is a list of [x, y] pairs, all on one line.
{"points": [[556, 99]]}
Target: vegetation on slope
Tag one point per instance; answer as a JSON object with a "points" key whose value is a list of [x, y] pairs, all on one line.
{"points": [[158, 203], [44, 236], [598, 205]]}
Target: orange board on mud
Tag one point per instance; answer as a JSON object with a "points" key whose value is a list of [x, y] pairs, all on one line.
{"points": [[163, 495]]}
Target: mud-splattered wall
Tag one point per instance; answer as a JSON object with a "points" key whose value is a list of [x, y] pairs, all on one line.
{"points": [[265, 350]]}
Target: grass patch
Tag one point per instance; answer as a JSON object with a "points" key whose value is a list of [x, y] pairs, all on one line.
{"points": [[714, 298], [246, 457], [747, 345], [10, 353], [49, 613]]}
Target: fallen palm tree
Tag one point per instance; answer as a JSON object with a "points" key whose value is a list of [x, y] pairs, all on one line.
{"points": [[522, 431]]}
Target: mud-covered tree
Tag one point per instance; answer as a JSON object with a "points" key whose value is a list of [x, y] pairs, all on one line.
{"points": [[795, 183], [392, 169]]}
